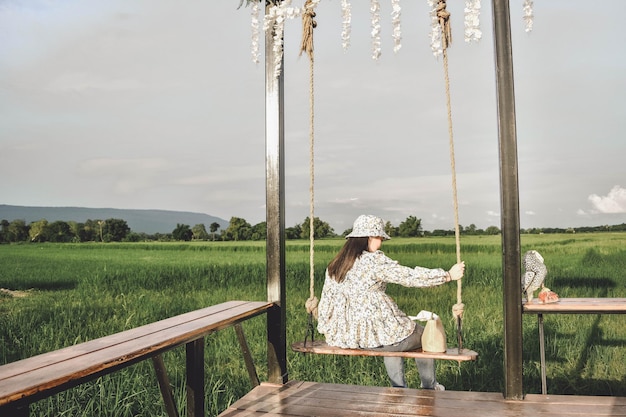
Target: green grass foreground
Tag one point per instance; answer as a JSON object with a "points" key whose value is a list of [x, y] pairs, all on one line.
{"points": [[64, 294]]}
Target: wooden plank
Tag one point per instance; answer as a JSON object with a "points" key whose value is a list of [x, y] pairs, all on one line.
{"points": [[597, 400], [123, 353], [309, 398], [321, 348], [578, 305], [13, 368], [332, 399], [76, 364]]}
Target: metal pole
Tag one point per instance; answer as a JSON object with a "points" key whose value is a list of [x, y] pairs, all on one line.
{"points": [[195, 377], [542, 353], [275, 217], [509, 194]]}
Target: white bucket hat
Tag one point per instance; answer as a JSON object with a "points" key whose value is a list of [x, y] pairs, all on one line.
{"points": [[367, 225]]}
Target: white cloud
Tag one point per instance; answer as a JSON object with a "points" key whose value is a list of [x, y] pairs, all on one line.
{"points": [[613, 203], [530, 213], [493, 213]]}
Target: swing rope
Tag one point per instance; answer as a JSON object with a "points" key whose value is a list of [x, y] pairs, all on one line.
{"points": [[446, 40], [308, 24]]}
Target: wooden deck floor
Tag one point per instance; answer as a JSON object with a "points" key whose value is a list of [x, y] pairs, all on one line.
{"points": [[316, 399]]}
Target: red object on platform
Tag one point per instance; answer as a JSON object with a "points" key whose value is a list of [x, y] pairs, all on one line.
{"points": [[547, 296]]}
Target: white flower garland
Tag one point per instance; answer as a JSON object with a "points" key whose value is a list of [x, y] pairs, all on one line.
{"points": [[346, 24], [254, 46], [472, 21], [435, 29], [528, 15], [278, 14], [375, 12], [275, 21], [395, 21]]}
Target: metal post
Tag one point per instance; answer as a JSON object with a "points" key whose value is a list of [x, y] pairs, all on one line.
{"points": [[195, 377], [509, 192], [542, 353], [15, 410], [275, 217]]}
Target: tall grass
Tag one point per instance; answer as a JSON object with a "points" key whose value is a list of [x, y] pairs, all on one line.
{"points": [[79, 292]]}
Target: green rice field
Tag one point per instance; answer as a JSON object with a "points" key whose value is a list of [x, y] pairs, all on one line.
{"points": [[56, 295]]}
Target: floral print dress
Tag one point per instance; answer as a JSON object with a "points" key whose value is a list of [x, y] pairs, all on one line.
{"points": [[357, 313]]}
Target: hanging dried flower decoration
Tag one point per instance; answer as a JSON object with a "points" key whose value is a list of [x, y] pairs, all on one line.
{"points": [[346, 23], [275, 21], [435, 29], [528, 15], [395, 22], [375, 12], [472, 21], [280, 11], [255, 12]]}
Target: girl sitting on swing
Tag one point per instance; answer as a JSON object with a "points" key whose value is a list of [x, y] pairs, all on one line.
{"points": [[355, 312]]}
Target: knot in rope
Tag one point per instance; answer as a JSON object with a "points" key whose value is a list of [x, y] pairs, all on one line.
{"points": [[458, 309], [311, 306], [308, 24], [444, 21]]}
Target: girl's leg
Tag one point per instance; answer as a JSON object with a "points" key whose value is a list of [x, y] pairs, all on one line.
{"points": [[426, 368], [395, 364], [395, 371]]}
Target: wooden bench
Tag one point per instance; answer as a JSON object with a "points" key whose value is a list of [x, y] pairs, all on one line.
{"points": [[320, 347], [569, 306], [26, 381]]}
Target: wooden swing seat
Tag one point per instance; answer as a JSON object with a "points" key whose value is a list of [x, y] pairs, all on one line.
{"points": [[320, 347]]}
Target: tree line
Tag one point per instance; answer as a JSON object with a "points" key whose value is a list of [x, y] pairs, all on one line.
{"points": [[117, 230]]}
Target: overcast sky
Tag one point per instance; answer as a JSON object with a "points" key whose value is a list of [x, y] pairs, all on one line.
{"points": [[156, 104]]}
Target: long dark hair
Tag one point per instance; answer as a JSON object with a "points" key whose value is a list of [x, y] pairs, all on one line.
{"points": [[351, 250]]}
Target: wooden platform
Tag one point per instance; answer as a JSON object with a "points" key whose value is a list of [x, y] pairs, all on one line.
{"points": [[333, 400], [320, 347]]}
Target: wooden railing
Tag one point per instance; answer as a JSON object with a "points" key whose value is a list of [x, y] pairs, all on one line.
{"points": [[26, 381], [569, 306]]}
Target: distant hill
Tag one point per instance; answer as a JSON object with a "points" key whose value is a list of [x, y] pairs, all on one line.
{"points": [[139, 221]]}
